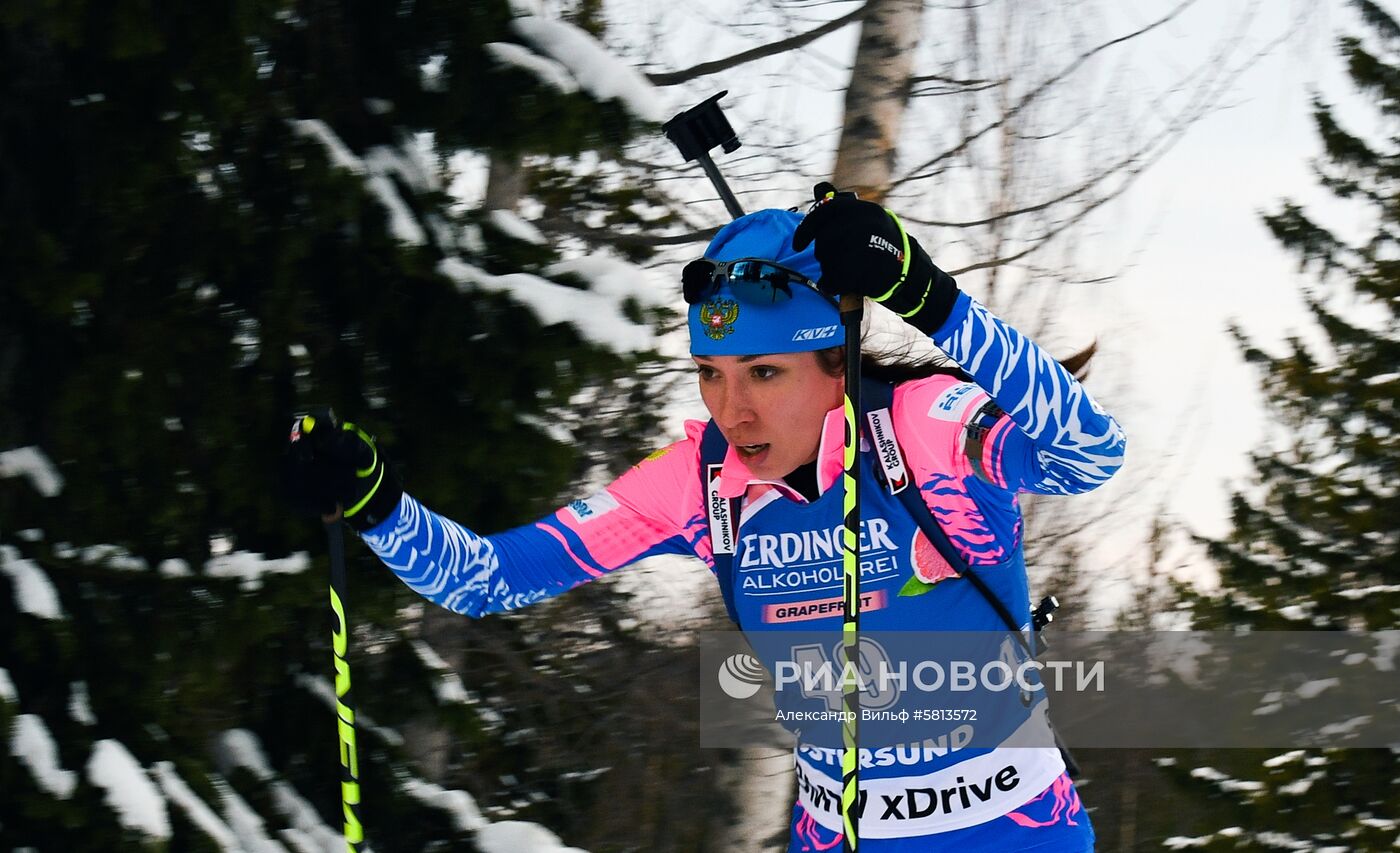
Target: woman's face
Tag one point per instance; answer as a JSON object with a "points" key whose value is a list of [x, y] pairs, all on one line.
{"points": [[770, 408]]}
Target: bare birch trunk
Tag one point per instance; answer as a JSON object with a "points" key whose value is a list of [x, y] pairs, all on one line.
{"points": [[877, 97]]}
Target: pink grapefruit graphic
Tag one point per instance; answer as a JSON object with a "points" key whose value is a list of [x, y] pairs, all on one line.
{"points": [[929, 565]]}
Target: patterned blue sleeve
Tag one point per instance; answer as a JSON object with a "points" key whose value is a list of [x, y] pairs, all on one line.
{"points": [[455, 568], [470, 574], [1064, 443]]}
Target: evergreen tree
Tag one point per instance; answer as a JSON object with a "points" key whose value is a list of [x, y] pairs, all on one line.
{"points": [[210, 216], [1314, 544]]}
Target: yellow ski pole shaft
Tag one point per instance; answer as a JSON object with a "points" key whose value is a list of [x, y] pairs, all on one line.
{"points": [[852, 307], [344, 704]]}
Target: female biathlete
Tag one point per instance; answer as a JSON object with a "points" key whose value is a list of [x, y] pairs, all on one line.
{"points": [[765, 336]]}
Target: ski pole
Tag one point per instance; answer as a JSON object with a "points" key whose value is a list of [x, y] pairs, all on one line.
{"points": [[344, 705], [696, 131], [852, 309]]}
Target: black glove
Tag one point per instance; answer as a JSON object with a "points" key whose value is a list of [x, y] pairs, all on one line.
{"points": [[861, 247], [330, 466]]}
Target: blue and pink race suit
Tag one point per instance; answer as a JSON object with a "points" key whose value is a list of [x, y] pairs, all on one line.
{"points": [[1048, 437]]}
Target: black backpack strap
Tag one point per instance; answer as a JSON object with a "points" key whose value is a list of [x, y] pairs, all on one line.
{"points": [[713, 449], [914, 502], [876, 395]]}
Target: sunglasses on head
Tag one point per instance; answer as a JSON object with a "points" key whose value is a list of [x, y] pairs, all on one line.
{"points": [[751, 280]]}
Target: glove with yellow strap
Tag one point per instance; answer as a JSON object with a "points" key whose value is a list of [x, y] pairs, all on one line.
{"points": [[864, 249], [332, 466]]}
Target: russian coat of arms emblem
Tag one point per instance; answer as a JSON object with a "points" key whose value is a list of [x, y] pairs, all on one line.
{"points": [[718, 316]]}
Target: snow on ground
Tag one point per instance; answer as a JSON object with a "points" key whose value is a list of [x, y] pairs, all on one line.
{"points": [[130, 792], [7, 687], [249, 568], [199, 813], [32, 463], [33, 744], [34, 592]]}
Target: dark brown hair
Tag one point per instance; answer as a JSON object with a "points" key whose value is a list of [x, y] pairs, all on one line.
{"points": [[897, 367], [892, 369]]}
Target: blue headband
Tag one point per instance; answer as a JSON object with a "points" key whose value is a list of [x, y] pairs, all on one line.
{"points": [[722, 325]]}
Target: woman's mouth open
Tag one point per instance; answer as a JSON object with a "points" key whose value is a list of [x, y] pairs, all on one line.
{"points": [[748, 451]]}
